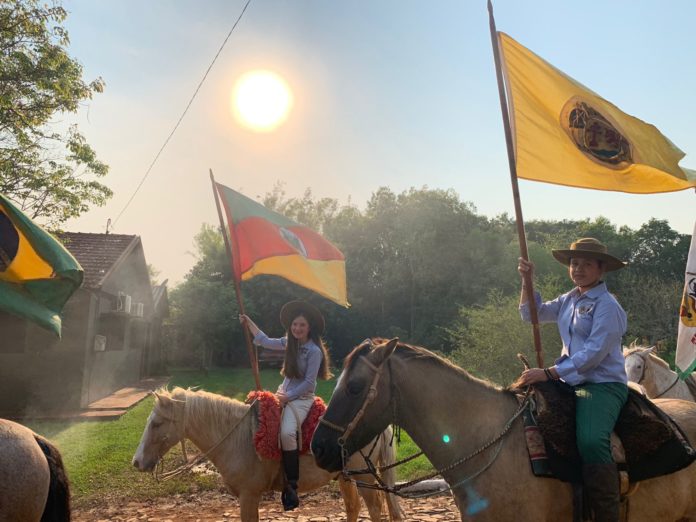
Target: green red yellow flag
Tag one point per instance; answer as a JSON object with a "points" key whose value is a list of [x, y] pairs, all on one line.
{"points": [[265, 242], [37, 274], [567, 135], [685, 357]]}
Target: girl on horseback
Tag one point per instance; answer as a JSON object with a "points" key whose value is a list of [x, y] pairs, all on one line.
{"points": [[306, 359]]}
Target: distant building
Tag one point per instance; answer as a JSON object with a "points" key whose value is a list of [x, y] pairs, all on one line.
{"points": [[111, 333]]}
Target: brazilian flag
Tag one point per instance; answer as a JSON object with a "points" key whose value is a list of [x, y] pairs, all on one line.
{"points": [[37, 274]]}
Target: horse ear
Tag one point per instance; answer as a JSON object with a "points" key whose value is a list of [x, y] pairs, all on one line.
{"points": [[651, 349], [634, 343], [163, 400], [385, 350]]}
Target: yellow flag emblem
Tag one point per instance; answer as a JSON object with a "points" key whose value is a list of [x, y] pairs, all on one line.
{"points": [[19, 261], [567, 135]]}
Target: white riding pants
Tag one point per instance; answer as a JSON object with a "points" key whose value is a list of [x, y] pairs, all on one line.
{"points": [[294, 414]]}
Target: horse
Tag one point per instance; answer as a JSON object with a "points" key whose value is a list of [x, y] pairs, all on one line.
{"points": [[33, 483], [223, 429], [471, 432], [653, 373]]}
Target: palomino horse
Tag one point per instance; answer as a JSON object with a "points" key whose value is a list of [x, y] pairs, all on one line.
{"points": [[469, 431], [33, 483], [223, 429], [653, 374]]}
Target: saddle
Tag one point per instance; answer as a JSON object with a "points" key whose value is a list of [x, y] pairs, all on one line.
{"points": [[647, 443], [267, 425]]}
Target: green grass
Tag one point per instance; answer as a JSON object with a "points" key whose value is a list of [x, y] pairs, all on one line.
{"points": [[97, 454]]}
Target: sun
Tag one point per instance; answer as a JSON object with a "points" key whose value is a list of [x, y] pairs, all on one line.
{"points": [[261, 100]]}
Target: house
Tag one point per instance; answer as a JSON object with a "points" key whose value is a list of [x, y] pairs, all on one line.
{"points": [[111, 333]]}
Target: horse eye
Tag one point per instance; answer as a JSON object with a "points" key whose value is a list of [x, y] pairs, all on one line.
{"points": [[156, 424], [355, 387]]}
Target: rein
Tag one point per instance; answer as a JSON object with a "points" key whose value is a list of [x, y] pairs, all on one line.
{"points": [[373, 470], [159, 476], [642, 376]]}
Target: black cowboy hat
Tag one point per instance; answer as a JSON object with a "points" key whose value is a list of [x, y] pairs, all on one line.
{"points": [[589, 248], [308, 311]]}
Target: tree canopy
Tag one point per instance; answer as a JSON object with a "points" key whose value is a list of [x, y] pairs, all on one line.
{"points": [[426, 267], [46, 166]]}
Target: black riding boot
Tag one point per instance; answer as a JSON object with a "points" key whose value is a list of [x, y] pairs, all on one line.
{"points": [[603, 488], [291, 464]]}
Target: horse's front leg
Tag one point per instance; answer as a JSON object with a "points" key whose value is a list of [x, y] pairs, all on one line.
{"points": [[249, 506], [349, 492], [373, 501]]}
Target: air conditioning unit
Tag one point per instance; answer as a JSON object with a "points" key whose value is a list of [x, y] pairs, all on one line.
{"points": [[99, 343], [139, 309]]}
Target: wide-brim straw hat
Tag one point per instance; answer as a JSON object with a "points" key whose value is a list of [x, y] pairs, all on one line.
{"points": [[589, 248], [310, 312]]}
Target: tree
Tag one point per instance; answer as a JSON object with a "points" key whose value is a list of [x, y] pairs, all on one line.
{"points": [[48, 169]]}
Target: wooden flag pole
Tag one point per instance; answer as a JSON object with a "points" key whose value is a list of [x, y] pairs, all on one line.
{"points": [[515, 189], [237, 287]]}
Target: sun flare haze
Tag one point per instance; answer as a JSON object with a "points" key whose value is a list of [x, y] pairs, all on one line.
{"points": [[261, 100]]}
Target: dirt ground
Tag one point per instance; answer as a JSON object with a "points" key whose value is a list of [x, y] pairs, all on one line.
{"points": [[215, 506]]}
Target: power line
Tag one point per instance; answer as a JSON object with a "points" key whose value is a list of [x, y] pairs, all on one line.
{"points": [[176, 126]]}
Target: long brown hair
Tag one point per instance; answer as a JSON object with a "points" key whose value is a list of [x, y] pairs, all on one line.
{"points": [[292, 347]]}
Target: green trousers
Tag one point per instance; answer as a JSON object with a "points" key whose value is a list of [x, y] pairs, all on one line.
{"points": [[597, 408]]}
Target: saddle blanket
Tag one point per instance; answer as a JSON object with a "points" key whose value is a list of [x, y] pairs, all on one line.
{"points": [[266, 437], [653, 443]]}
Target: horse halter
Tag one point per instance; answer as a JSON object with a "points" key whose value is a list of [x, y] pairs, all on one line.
{"points": [[642, 376], [369, 398]]}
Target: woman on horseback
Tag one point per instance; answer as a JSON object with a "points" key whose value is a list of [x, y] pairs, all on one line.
{"points": [[306, 359], [591, 323]]}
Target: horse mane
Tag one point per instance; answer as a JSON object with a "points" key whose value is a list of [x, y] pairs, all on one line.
{"points": [[654, 358], [408, 352], [217, 411]]}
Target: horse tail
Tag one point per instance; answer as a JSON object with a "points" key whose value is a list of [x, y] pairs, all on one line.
{"points": [[387, 456], [58, 502]]}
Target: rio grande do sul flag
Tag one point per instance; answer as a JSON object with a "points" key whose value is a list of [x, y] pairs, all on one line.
{"points": [[566, 134], [37, 274], [265, 242], [686, 339]]}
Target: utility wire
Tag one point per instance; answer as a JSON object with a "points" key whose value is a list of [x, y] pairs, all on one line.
{"points": [[176, 126]]}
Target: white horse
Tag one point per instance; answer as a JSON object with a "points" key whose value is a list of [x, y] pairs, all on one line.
{"points": [[659, 382], [223, 429]]}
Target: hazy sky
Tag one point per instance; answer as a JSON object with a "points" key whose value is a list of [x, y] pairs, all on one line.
{"points": [[392, 93]]}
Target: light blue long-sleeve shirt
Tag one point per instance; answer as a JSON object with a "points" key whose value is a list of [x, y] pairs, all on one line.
{"points": [[309, 359], [591, 327]]}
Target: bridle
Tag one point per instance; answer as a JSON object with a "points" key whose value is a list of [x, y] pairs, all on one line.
{"points": [[373, 470], [369, 398], [642, 376], [157, 472]]}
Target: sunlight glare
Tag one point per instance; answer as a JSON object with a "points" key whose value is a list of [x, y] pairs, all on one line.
{"points": [[261, 100]]}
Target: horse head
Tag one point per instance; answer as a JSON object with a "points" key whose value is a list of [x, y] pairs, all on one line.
{"points": [[164, 428], [359, 408], [637, 360]]}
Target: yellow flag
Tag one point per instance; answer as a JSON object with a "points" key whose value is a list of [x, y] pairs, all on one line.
{"points": [[567, 135]]}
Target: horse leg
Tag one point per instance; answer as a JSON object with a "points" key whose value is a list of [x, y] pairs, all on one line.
{"points": [[396, 514], [249, 506], [349, 492], [373, 501]]}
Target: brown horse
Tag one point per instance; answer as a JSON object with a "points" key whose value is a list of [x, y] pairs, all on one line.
{"points": [[223, 429], [459, 422], [33, 483]]}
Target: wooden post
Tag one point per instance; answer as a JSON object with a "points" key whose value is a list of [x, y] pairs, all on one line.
{"points": [[237, 286], [515, 189]]}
